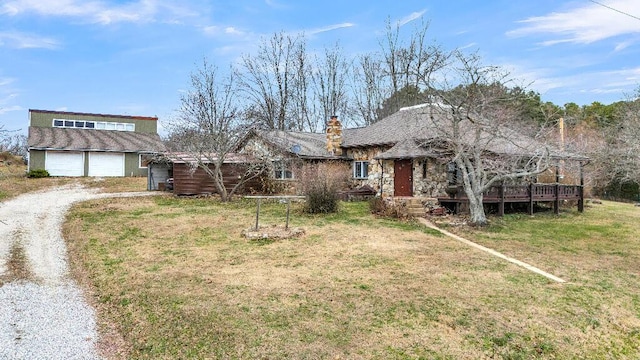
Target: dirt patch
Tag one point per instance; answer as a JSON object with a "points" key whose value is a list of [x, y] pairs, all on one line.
{"points": [[17, 266], [272, 233]]}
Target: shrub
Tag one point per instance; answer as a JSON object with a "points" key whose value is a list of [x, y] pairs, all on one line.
{"points": [[38, 173], [320, 183], [387, 207], [322, 200]]}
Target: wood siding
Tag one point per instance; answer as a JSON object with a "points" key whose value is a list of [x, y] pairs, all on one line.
{"points": [[198, 182]]}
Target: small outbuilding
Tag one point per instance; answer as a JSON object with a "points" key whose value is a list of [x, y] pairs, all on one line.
{"points": [[86, 144]]}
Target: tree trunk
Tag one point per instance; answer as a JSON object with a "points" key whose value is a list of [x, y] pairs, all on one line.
{"points": [[476, 210]]}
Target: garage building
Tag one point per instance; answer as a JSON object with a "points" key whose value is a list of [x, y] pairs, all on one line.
{"points": [[85, 144]]}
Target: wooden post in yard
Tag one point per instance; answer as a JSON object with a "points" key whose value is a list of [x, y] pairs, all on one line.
{"points": [[581, 190], [257, 213], [288, 210], [501, 203], [531, 198]]}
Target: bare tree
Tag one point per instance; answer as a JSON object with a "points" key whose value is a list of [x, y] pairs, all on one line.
{"points": [[368, 88], [621, 156], [411, 64], [301, 111], [473, 124], [408, 66], [330, 84], [208, 127], [268, 78], [14, 143]]}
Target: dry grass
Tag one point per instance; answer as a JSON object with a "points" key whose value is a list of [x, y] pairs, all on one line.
{"points": [[13, 181], [174, 279]]}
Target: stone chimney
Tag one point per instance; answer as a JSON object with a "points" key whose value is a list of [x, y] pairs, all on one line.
{"points": [[334, 136]]}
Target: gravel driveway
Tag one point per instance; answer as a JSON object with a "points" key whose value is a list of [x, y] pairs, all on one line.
{"points": [[43, 314]]}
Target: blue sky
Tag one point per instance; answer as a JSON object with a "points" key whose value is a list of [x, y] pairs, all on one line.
{"points": [[134, 57]]}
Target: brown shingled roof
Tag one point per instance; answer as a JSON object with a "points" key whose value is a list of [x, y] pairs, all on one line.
{"points": [[44, 138], [406, 149], [303, 144], [415, 127]]}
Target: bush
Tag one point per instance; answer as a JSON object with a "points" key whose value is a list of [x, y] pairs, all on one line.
{"points": [[322, 200], [320, 184], [38, 173], [387, 208]]}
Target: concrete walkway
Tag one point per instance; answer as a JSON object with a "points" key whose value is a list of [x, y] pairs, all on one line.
{"points": [[529, 267]]}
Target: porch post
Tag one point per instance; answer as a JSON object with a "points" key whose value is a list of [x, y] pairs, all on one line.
{"points": [[556, 203]]}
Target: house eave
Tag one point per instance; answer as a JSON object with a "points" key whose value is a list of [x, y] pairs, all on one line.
{"points": [[146, 151]]}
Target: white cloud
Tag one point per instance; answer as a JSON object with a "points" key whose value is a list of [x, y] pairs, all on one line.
{"points": [[329, 28], [20, 40], [215, 30], [585, 24], [409, 18], [469, 45], [567, 84], [4, 110], [230, 30], [99, 12], [6, 81]]}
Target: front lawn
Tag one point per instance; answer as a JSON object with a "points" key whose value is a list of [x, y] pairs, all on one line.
{"points": [[173, 278]]}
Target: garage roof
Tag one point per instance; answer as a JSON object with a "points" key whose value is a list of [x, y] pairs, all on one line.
{"points": [[44, 138]]}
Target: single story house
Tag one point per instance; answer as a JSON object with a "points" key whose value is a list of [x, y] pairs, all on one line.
{"points": [[86, 144], [398, 156]]}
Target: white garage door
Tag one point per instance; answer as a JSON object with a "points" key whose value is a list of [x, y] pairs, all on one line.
{"points": [[64, 163], [106, 164]]}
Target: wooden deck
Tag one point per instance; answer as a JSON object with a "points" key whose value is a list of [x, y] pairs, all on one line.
{"points": [[524, 194]]}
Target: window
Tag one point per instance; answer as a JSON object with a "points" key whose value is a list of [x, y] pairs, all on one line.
{"points": [[100, 125], [360, 169], [281, 172], [144, 160], [453, 174]]}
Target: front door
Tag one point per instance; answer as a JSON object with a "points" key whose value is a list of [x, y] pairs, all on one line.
{"points": [[403, 178]]}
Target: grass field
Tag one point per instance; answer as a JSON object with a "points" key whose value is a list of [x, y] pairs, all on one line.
{"points": [[173, 278]]}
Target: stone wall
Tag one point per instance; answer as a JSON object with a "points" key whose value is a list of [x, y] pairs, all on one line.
{"points": [[435, 182], [381, 173]]}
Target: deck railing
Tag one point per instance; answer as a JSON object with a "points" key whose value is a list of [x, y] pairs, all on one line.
{"points": [[531, 194]]}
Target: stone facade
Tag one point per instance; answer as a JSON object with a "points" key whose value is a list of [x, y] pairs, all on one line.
{"points": [[380, 172], [429, 177], [429, 174]]}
